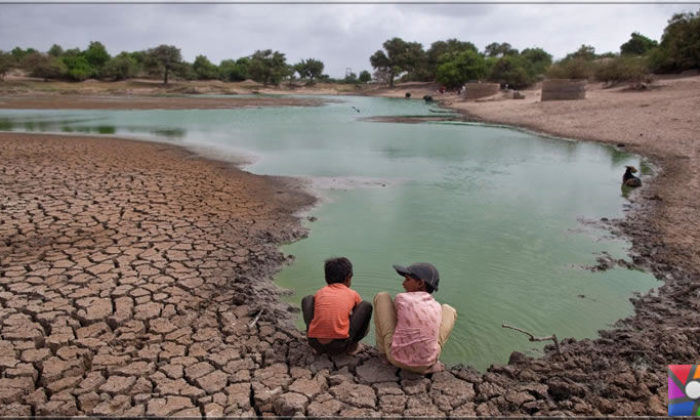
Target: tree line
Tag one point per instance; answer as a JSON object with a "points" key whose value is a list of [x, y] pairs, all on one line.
{"points": [[163, 61], [451, 62]]}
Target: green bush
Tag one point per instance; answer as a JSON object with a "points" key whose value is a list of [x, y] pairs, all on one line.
{"points": [[6, 63], [622, 69], [679, 49], [365, 76], [638, 45], [42, 65], [78, 68], [234, 71], [204, 69], [573, 68], [511, 70], [455, 70], [121, 67]]}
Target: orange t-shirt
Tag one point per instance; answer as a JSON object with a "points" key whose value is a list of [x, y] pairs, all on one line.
{"points": [[333, 305]]}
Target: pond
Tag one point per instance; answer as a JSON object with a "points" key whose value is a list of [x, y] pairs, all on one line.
{"points": [[500, 212]]}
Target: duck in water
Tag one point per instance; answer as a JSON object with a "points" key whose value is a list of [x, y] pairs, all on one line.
{"points": [[630, 180]]}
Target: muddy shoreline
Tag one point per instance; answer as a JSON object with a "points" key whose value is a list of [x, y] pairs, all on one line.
{"points": [[223, 365], [74, 101]]}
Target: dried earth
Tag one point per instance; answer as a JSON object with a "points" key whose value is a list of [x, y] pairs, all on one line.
{"points": [[130, 275]]}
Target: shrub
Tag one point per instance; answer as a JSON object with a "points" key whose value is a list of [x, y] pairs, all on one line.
{"points": [[121, 67], [679, 49], [622, 69], [511, 70], [78, 68], [574, 68], [42, 65], [453, 71]]}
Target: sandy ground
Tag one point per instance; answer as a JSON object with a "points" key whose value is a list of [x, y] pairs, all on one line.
{"points": [[131, 275]]}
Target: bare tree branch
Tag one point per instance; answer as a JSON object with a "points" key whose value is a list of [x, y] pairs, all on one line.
{"points": [[552, 337]]}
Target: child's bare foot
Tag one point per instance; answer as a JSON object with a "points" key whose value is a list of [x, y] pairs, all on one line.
{"points": [[437, 367]]}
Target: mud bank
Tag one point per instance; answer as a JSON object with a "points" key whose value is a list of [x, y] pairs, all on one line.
{"points": [[75, 101]]}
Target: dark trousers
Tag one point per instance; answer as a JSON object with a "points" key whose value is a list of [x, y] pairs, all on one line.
{"points": [[359, 327]]}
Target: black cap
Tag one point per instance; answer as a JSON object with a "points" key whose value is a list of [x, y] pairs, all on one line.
{"points": [[421, 271]]}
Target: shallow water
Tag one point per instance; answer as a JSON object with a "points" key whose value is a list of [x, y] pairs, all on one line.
{"points": [[496, 210]]}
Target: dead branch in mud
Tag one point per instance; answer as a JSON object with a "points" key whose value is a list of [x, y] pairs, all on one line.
{"points": [[552, 337], [255, 321]]}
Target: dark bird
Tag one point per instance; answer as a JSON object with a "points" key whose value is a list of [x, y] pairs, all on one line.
{"points": [[630, 180], [356, 109]]}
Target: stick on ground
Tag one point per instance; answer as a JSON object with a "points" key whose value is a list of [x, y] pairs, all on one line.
{"points": [[255, 321], [552, 337]]}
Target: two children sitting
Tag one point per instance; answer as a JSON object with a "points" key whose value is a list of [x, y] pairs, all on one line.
{"points": [[410, 330]]}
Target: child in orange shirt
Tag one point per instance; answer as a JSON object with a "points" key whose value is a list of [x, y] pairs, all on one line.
{"points": [[336, 317]]}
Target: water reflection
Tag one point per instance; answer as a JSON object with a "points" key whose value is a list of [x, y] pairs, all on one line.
{"points": [[617, 156], [106, 129], [86, 126], [170, 132]]}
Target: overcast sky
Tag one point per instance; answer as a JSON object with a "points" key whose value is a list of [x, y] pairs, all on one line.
{"points": [[341, 35]]}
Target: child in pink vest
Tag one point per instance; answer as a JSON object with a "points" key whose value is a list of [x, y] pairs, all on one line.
{"points": [[412, 329]]}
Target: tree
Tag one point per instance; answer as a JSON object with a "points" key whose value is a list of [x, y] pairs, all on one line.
{"points": [[573, 68], [511, 70], [121, 67], [625, 68], [97, 56], [455, 71], [351, 78], [204, 69], [638, 45], [439, 49], [495, 49], [184, 70], [538, 61], [56, 50], [399, 56], [140, 57], [164, 58], [679, 48], [267, 66], [309, 69], [585, 52], [19, 54], [77, 67], [6, 63], [234, 71], [451, 47], [43, 65], [365, 76]]}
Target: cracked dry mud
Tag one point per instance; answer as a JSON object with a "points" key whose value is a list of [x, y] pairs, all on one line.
{"points": [[130, 274]]}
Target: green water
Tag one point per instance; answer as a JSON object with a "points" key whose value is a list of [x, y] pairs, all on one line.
{"points": [[496, 210]]}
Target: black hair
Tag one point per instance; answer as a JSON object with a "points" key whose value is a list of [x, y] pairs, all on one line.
{"points": [[428, 288], [338, 270]]}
